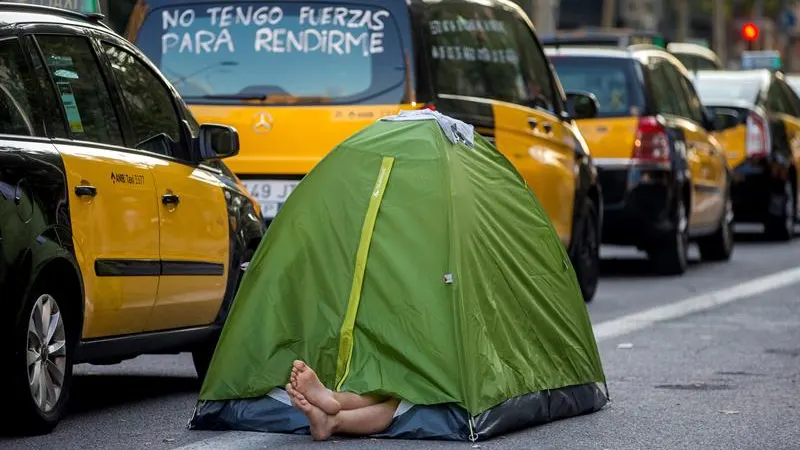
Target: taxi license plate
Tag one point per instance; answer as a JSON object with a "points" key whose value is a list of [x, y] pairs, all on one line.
{"points": [[270, 194]]}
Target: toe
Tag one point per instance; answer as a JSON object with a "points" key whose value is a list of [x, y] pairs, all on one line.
{"points": [[297, 364]]}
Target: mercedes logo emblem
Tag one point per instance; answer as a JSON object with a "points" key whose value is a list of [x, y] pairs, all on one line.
{"points": [[263, 123]]}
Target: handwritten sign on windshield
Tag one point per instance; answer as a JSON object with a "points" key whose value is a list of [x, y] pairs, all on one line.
{"points": [[483, 40], [334, 30]]}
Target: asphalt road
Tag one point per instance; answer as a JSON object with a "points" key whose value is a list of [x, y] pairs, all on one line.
{"points": [[725, 377]]}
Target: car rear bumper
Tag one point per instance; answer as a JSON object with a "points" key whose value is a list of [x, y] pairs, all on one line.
{"points": [[753, 183], [637, 204]]}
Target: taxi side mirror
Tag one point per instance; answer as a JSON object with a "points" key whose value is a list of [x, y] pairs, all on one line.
{"points": [[710, 120], [582, 105], [217, 141]]}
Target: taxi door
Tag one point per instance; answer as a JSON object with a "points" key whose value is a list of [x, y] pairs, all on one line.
{"points": [[542, 150], [194, 245], [192, 213], [534, 138], [791, 120], [702, 151], [113, 216]]}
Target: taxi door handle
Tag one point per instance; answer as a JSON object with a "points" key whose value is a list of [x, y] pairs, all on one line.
{"points": [[170, 199], [85, 191]]}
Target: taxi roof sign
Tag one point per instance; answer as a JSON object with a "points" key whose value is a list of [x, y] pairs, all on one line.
{"points": [[81, 6]]}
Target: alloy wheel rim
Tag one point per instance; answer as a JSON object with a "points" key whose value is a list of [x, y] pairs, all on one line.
{"points": [[46, 353]]}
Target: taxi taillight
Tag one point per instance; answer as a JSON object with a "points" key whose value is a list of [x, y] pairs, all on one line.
{"points": [[651, 143], [757, 141]]}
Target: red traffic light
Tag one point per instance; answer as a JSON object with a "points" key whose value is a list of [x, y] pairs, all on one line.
{"points": [[750, 31]]}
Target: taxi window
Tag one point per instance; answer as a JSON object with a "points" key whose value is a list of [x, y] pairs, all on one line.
{"points": [[83, 92], [156, 125], [663, 89], [696, 62], [278, 53], [484, 52], [777, 101], [15, 110], [613, 81]]}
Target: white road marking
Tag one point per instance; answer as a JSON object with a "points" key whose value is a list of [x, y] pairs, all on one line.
{"points": [[643, 319], [241, 440]]}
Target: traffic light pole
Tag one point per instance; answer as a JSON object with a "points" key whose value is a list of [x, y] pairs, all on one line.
{"points": [[609, 13], [683, 20], [720, 33]]}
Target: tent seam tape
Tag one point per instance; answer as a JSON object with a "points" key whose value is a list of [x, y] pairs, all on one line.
{"points": [[346, 339]]}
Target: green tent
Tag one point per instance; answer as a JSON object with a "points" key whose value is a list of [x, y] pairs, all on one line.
{"points": [[412, 261]]}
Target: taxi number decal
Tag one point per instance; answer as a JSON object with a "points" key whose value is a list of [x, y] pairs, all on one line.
{"points": [[125, 178]]}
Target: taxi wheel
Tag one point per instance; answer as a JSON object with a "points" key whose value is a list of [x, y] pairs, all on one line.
{"points": [[587, 253], [670, 255], [780, 227], [40, 374], [719, 246], [202, 354]]}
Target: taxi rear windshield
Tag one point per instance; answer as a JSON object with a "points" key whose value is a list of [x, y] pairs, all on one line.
{"points": [[278, 53], [712, 88], [613, 81]]}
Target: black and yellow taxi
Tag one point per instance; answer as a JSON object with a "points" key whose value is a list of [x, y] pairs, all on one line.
{"points": [[664, 176], [296, 78], [121, 230], [758, 116]]}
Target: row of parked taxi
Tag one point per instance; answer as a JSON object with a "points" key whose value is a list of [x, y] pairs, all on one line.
{"points": [[621, 144], [122, 232]]}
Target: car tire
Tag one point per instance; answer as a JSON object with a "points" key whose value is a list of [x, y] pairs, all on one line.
{"points": [[202, 354], [669, 256], [586, 254], [719, 246], [780, 226], [39, 377]]}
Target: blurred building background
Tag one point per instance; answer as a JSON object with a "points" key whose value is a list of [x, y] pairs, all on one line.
{"points": [[716, 24]]}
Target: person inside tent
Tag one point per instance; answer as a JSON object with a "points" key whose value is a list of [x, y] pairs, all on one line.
{"points": [[330, 412]]}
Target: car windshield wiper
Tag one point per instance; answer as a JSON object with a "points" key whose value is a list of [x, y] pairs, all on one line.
{"points": [[265, 98], [234, 96]]}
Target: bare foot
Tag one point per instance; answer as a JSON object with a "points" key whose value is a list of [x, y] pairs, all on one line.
{"points": [[305, 381], [320, 423]]}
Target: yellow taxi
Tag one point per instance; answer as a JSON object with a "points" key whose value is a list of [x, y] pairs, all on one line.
{"points": [[121, 231], [296, 78], [758, 117], [664, 176]]}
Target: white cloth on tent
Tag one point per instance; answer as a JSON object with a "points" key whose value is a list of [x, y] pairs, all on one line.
{"points": [[402, 408], [454, 129]]}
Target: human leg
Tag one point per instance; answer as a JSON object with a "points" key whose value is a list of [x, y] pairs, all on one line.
{"points": [[361, 421], [305, 380], [364, 421], [349, 400]]}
